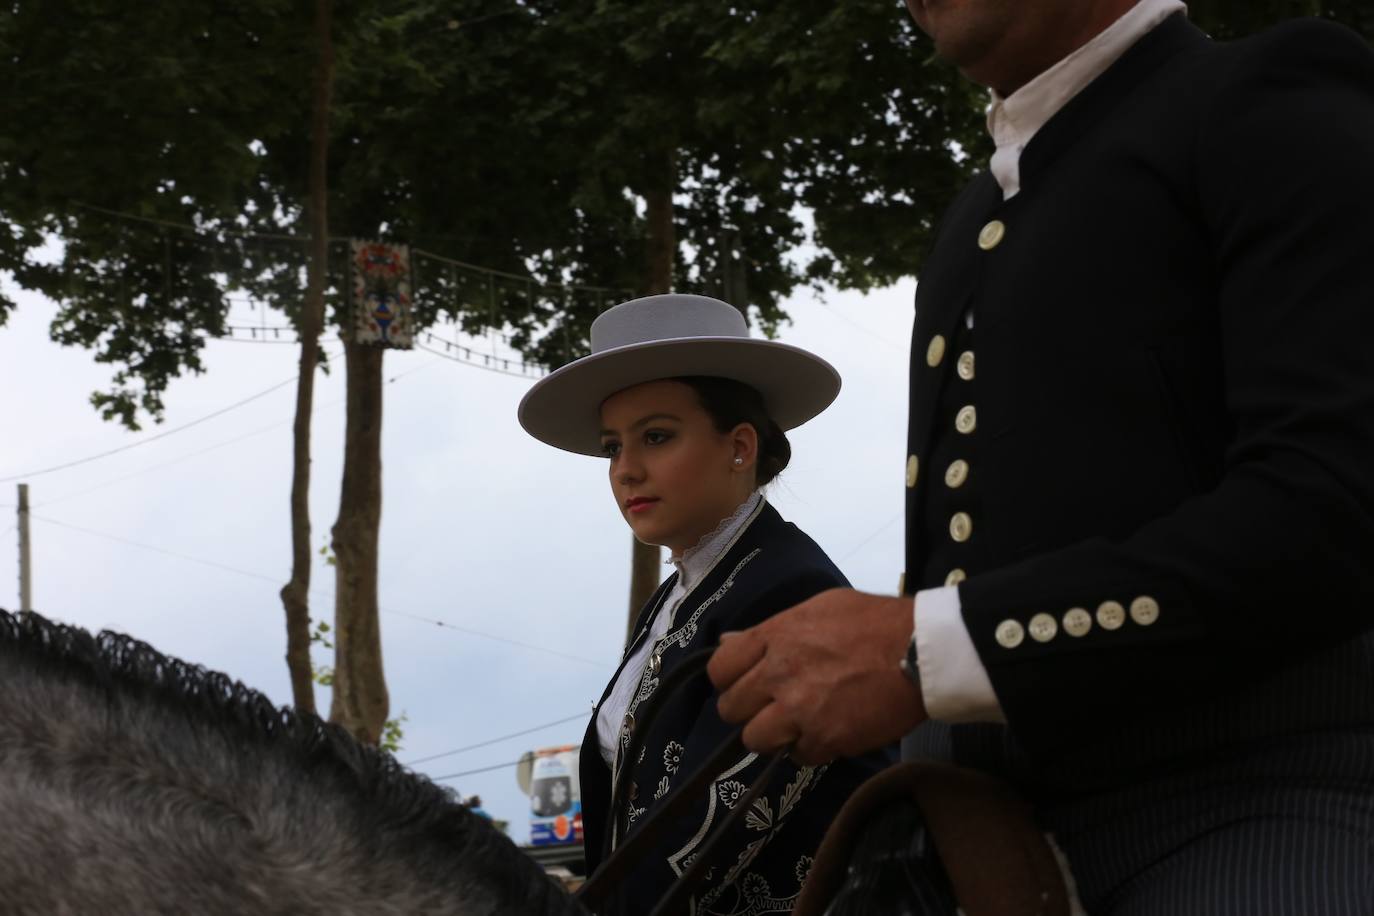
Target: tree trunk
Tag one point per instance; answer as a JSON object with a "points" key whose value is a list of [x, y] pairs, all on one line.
{"points": [[360, 699], [646, 561], [295, 594]]}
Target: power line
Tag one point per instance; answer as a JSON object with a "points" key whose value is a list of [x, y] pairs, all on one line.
{"points": [[490, 741], [510, 642], [599, 290], [238, 67], [170, 553], [320, 592], [494, 766], [219, 445], [166, 464], [868, 540], [162, 435], [868, 332], [194, 230]]}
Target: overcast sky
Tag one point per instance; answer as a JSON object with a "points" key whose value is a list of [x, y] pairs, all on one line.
{"points": [[518, 546]]}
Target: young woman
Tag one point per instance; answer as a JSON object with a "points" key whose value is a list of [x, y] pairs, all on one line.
{"points": [[690, 412]]}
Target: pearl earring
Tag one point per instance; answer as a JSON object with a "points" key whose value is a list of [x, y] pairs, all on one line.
{"points": [[739, 461]]}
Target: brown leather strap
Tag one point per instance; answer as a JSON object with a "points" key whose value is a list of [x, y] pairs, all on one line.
{"points": [[998, 860]]}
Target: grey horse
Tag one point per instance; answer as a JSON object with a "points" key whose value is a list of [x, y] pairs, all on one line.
{"points": [[134, 783]]}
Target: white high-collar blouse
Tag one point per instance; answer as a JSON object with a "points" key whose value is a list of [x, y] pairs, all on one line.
{"points": [[692, 567]]}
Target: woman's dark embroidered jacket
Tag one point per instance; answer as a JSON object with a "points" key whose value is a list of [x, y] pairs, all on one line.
{"points": [[769, 568]]}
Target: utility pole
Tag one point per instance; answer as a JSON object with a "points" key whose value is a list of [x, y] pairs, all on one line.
{"points": [[25, 571]]}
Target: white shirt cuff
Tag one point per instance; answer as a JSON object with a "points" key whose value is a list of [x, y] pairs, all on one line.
{"points": [[954, 683]]}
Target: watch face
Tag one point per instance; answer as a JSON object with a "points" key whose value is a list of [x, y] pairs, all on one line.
{"points": [[909, 665]]}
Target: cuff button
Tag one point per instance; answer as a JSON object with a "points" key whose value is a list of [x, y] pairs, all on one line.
{"points": [[1010, 634], [1144, 610], [1111, 615]]}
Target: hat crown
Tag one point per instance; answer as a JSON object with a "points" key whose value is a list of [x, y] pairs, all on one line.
{"points": [[672, 316]]}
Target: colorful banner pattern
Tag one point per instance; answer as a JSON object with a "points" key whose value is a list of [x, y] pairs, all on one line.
{"points": [[381, 295]]}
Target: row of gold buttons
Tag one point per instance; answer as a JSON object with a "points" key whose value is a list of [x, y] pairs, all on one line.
{"points": [[1077, 622], [965, 422], [935, 354]]}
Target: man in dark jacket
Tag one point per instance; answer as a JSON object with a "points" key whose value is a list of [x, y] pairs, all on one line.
{"points": [[1140, 524]]}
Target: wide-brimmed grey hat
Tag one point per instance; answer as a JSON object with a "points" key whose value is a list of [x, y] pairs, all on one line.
{"points": [[671, 336]]}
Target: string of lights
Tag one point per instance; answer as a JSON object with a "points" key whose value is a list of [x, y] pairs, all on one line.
{"points": [[488, 361]]}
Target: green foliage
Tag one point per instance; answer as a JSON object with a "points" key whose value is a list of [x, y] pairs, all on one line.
{"points": [[809, 142], [393, 732], [813, 141], [148, 110], [1226, 19]]}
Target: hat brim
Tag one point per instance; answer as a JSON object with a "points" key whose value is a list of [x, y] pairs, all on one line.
{"points": [[563, 408]]}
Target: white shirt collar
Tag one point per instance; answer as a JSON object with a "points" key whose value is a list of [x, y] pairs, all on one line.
{"points": [[696, 561], [1014, 120]]}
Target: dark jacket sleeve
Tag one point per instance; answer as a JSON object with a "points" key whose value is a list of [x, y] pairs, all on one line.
{"points": [[768, 851], [1276, 560]]}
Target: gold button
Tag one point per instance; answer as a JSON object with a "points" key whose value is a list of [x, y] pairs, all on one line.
{"points": [[966, 365], [966, 421], [629, 724], [1077, 622], [1043, 627], [913, 467], [955, 577], [956, 474], [936, 351], [961, 527], [1010, 634], [1144, 610], [1111, 615], [992, 234], [655, 663]]}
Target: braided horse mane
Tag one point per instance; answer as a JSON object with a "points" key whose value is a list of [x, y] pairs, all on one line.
{"points": [[131, 782]]}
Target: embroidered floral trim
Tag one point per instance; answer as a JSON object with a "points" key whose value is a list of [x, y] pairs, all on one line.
{"points": [[648, 682], [731, 791], [740, 892], [672, 756]]}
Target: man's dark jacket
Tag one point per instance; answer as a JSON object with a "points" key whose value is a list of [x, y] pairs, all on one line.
{"points": [[1175, 402]]}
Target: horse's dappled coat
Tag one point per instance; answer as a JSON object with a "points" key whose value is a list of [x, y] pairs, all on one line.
{"points": [[131, 782]]}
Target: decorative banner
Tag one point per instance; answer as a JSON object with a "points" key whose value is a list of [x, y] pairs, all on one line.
{"points": [[381, 295]]}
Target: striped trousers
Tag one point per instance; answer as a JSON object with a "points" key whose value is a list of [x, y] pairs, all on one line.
{"points": [[1283, 830]]}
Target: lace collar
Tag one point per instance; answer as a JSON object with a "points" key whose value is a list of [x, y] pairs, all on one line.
{"points": [[698, 560]]}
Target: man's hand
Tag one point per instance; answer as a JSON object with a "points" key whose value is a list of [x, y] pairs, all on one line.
{"points": [[821, 676]]}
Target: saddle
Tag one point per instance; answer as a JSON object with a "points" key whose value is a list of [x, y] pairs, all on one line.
{"points": [[960, 825]]}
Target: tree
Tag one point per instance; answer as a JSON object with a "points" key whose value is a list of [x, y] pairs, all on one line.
{"points": [[1225, 19], [805, 141], [210, 111], [575, 144], [295, 595]]}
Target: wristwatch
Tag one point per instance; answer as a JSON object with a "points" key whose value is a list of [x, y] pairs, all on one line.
{"points": [[909, 665]]}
